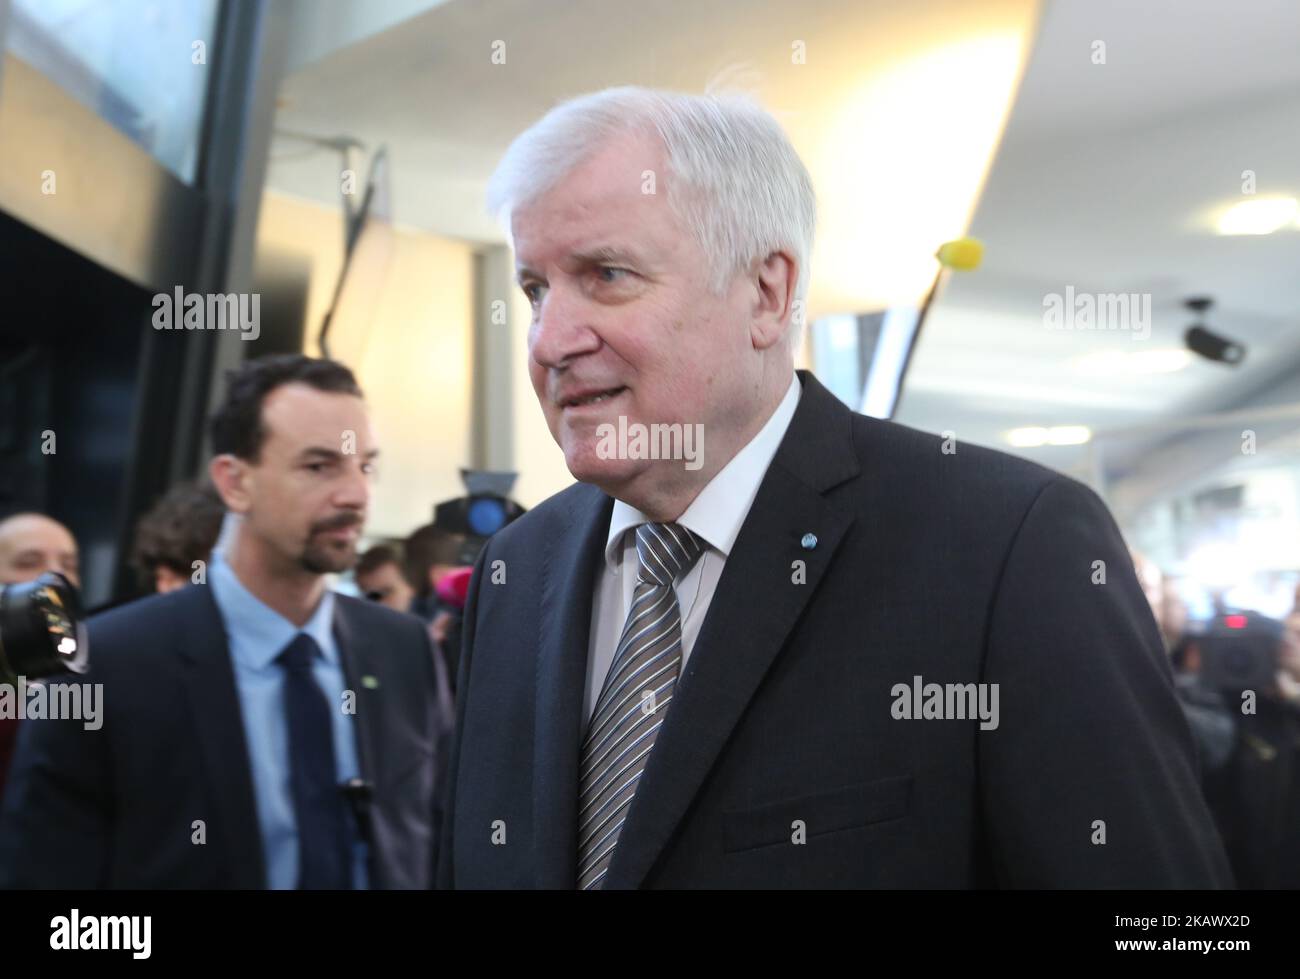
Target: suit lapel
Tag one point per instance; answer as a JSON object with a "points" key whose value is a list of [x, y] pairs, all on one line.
{"points": [[568, 583], [214, 705], [755, 606]]}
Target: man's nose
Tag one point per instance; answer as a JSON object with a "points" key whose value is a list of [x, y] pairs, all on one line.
{"points": [[562, 329], [354, 491]]}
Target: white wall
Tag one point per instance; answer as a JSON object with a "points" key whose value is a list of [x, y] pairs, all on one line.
{"points": [[415, 366]]}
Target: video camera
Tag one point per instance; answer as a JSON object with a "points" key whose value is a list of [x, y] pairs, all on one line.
{"points": [[42, 629], [482, 513], [1239, 651]]}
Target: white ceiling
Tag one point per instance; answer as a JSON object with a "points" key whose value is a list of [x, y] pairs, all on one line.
{"points": [[430, 89], [1105, 180]]}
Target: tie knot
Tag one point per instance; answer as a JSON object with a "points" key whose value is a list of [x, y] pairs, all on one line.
{"points": [[299, 654], [666, 551]]}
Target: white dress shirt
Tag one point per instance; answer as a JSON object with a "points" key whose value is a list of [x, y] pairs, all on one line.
{"points": [[716, 516]]}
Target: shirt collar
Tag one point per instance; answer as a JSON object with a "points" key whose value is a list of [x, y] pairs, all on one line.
{"points": [[719, 510], [264, 632]]}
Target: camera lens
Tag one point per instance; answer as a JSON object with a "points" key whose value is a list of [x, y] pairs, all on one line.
{"points": [[41, 628]]}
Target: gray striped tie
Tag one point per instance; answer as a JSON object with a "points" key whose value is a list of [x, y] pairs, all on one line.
{"points": [[635, 697]]}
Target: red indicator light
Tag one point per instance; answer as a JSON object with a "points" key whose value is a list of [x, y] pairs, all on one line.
{"points": [[1235, 621]]}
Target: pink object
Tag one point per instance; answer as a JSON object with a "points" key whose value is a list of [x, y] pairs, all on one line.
{"points": [[454, 587]]}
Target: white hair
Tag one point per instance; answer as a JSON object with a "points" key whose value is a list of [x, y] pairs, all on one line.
{"points": [[739, 188]]}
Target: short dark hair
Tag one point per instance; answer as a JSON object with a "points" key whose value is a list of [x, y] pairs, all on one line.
{"points": [[427, 546], [181, 528], [237, 427], [376, 558]]}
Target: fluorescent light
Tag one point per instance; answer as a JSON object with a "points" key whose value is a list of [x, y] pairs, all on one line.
{"points": [[1068, 434], [1118, 363], [1258, 216], [1027, 438], [1032, 436]]}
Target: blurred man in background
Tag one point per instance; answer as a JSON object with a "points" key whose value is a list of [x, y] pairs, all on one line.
{"points": [[379, 578], [30, 545], [432, 553], [175, 539], [290, 730]]}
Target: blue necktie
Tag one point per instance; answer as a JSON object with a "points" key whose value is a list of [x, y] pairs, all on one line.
{"points": [[324, 827]]}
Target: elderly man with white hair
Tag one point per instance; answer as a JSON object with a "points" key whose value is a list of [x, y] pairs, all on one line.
{"points": [[815, 650]]}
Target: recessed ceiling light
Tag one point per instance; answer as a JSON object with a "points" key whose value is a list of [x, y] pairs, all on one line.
{"points": [[1028, 437], [1258, 216], [1120, 363]]}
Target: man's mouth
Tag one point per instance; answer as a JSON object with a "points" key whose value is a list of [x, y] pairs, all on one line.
{"points": [[594, 396], [350, 529]]}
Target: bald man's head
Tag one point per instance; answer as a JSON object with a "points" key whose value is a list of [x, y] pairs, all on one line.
{"points": [[31, 544]]}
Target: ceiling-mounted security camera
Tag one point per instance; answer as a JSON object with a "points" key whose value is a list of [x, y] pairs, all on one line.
{"points": [[1207, 343]]}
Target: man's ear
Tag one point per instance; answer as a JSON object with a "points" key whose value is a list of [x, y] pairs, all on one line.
{"points": [[231, 477], [774, 278]]}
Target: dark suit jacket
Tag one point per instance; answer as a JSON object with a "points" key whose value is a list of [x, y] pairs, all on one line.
{"points": [[973, 567], [115, 807], [8, 735]]}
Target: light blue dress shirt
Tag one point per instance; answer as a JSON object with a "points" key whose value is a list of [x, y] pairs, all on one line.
{"points": [[257, 635]]}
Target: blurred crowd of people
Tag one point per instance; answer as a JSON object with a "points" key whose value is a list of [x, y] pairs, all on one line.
{"points": [[1238, 681], [175, 539], [238, 565], [1237, 675]]}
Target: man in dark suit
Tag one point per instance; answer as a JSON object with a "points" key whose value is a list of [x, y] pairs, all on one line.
{"points": [[258, 730], [825, 650]]}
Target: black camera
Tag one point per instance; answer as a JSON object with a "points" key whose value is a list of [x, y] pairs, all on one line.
{"points": [[478, 516], [42, 629], [1239, 651]]}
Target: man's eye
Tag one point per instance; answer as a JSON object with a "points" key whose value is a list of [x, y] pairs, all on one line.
{"points": [[533, 290], [610, 273]]}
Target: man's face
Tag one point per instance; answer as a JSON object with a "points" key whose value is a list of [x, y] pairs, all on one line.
{"points": [[624, 322], [32, 544], [167, 580], [386, 586], [306, 496]]}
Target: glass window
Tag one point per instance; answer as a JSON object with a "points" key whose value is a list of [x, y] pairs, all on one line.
{"points": [[143, 65]]}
